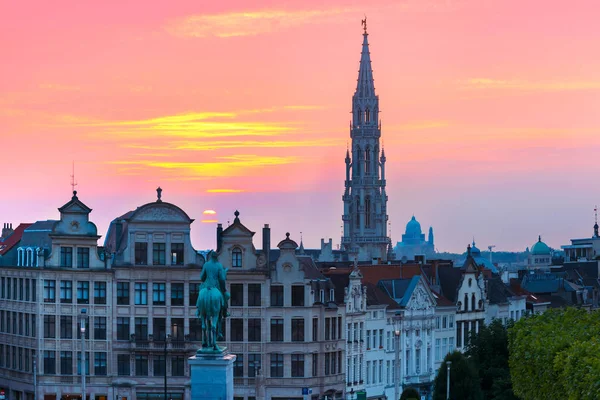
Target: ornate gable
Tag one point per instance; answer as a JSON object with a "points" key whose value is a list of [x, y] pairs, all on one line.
{"points": [[160, 212], [237, 228], [421, 297]]}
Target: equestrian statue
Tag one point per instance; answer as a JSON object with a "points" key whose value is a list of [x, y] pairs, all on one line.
{"points": [[211, 306]]}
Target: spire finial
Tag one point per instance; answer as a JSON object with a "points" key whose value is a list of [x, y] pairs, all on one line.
{"points": [[158, 194], [596, 214], [237, 216], [539, 238], [469, 250], [73, 181], [364, 24]]}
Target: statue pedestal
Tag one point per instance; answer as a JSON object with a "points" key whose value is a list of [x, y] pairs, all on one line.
{"points": [[212, 376]]}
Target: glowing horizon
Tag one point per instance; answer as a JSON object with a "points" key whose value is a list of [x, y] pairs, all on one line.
{"points": [[489, 113]]}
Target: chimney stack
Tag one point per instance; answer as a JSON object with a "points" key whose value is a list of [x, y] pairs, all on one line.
{"points": [[7, 230], [219, 237]]}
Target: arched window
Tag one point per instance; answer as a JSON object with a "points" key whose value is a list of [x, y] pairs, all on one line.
{"points": [[368, 212], [236, 258], [357, 204], [359, 117], [358, 162], [473, 301], [466, 302], [367, 115], [368, 161]]}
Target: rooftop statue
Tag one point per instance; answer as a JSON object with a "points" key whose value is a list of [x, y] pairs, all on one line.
{"points": [[211, 306]]}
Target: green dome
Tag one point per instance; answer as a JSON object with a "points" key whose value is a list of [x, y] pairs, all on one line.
{"points": [[540, 248]]}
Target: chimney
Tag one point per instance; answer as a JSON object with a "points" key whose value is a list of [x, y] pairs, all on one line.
{"points": [[322, 243], [7, 230], [266, 244], [219, 237]]}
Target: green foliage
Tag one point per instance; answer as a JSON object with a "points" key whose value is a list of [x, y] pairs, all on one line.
{"points": [[556, 352], [488, 351], [464, 381], [410, 394]]}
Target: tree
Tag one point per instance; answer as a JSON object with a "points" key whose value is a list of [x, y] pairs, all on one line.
{"points": [[464, 380], [488, 351], [555, 354], [410, 394]]}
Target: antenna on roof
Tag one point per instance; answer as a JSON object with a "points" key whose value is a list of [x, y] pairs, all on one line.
{"points": [[596, 214], [73, 181]]}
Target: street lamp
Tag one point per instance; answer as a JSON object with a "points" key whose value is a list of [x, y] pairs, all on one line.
{"points": [[448, 363], [82, 331], [167, 339], [397, 333]]}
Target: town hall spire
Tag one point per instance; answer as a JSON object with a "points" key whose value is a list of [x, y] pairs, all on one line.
{"points": [[365, 199]]}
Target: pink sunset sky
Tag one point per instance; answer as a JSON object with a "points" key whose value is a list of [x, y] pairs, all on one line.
{"points": [[490, 113]]}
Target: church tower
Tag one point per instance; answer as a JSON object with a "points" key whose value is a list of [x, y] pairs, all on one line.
{"points": [[365, 200]]}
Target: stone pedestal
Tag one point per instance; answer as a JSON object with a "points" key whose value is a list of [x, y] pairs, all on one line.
{"points": [[212, 376]]}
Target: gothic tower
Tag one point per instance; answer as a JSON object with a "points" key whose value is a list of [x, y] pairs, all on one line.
{"points": [[365, 200]]}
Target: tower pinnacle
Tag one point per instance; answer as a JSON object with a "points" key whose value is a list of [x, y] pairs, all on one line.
{"points": [[365, 86]]}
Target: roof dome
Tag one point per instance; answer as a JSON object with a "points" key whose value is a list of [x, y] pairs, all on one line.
{"points": [[540, 248], [475, 251], [413, 228]]}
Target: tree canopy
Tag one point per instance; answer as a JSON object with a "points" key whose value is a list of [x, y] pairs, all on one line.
{"points": [[555, 354], [488, 351], [464, 380], [410, 394]]}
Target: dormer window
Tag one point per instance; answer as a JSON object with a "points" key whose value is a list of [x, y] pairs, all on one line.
{"points": [[236, 258], [159, 254], [66, 257], [331, 294], [141, 253], [176, 253], [83, 257], [322, 296]]}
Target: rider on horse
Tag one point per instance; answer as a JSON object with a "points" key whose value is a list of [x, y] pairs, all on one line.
{"points": [[213, 278]]}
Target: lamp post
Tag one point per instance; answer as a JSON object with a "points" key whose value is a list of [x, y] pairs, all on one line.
{"points": [[397, 361], [82, 331], [448, 363], [167, 339]]}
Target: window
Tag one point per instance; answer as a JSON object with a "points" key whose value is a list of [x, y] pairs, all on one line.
{"points": [[276, 365], [276, 330], [177, 294], [297, 329], [66, 363], [159, 328], [66, 257], [176, 253], [123, 293], [194, 291], [444, 322], [237, 330], [100, 328], [297, 296], [141, 253], [254, 330], [123, 366], [315, 365], [177, 329], [100, 363], [158, 294], [122, 328], [83, 292], [328, 330], [437, 349], [49, 362], [141, 293], [451, 321], [159, 254], [49, 291], [196, 329], [327, 363], [253, 365], [66, 291], [444, 346], [49, 326], [99, 292], [141, 328], [66, 327], [33, 290], [160, 363], [237, 295], [83, 257], [450, 344], [87, 363], [368, 371], [236, 258], [141, 365], [276, 296], [254, 295], [297, 365], [315, 330], [473, 302], [238, 366], [177, 366]]}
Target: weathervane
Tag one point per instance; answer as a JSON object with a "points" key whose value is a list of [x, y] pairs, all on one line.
{"points": [[73, 182], [596, 214], [364, 24]]}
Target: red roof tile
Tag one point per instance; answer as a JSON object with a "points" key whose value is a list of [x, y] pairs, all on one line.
{"points": [[13, 239]]}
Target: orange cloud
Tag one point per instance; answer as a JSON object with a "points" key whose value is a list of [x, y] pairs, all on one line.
{"points": [[210, 221], [209, 212], [225, 190]]}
